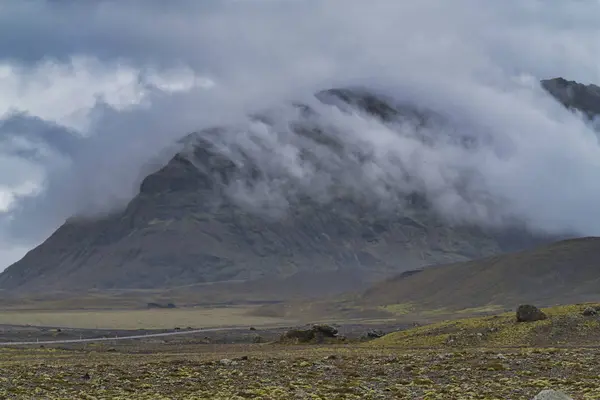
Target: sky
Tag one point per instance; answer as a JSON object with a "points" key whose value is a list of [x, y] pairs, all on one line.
{"points": [[94, 95]]}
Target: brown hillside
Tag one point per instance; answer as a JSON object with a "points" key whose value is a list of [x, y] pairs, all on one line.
{"points": [[566, 271]]}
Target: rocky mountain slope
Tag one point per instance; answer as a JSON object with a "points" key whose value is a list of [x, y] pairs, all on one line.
{"points": [[222, 212], [575, 96]]}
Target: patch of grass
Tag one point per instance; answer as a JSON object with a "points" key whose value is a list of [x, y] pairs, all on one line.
{"points": [[481, 310], [565, 325], [140, 319], [399, 309]]}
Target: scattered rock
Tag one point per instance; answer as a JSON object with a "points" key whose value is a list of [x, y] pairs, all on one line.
{"points": [[529, 313], [257, 339], [298, 335], [590, 311], [325, 330], [551, 395], [227, 362], [375, 334], [316, 334]]}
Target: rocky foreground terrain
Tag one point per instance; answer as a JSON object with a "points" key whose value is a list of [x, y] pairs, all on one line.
{"points": [[548, 354], [301, 373]]}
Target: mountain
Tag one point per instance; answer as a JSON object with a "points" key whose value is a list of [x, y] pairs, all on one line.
{"points": [[563, 272], [222, 211], [575, 96]]}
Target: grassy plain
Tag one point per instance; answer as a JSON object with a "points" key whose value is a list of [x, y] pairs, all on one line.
{"points": [[200, 317]]}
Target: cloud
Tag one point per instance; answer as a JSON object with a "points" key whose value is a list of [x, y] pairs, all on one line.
{"points": [[94, 94]]}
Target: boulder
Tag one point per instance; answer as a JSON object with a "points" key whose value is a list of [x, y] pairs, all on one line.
{"points": [[372, 334], [375, 334], [589, 311], [551, 395], [317, 333], [325, 330], [529, 313]]}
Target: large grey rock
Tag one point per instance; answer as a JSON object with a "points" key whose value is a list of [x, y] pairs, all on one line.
{"points": [[529, 313], [589, 312], [552, 395]]}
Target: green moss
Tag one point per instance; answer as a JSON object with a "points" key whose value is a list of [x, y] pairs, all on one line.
{"points": [[398, 309], [565, 324], [272, 373]]}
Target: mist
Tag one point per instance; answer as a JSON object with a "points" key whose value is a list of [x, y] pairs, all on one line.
{"points": [[95, 95]]}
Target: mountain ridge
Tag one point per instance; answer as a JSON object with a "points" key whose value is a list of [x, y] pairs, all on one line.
{"points": [[186, 227]]}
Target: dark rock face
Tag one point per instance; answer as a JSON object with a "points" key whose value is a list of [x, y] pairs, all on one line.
{"points": [[187, 224], [529, 313], [575, 96]]}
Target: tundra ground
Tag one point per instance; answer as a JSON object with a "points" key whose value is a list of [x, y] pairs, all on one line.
{"points": [[277, 372]]}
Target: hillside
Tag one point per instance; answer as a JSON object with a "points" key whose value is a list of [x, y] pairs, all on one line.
{"points": [[564, 326], [566, 271], [221, 212]]}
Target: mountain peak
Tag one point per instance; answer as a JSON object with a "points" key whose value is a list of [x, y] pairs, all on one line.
{"points": [[574, 95], [185, 227]]}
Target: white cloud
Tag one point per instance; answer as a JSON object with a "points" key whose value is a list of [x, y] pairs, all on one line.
{"points": [[65, 93], [163, 70]]}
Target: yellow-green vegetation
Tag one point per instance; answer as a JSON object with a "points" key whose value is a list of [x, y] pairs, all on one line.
{"points": [[399, 309], [565, 326], [139, 319], [267, 372]]}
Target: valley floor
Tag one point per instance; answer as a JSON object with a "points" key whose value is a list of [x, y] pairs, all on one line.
{"points": [[128, 319], [278, 372]]}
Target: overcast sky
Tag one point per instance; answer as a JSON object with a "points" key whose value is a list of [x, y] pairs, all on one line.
{"points": [[93, 91]]}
